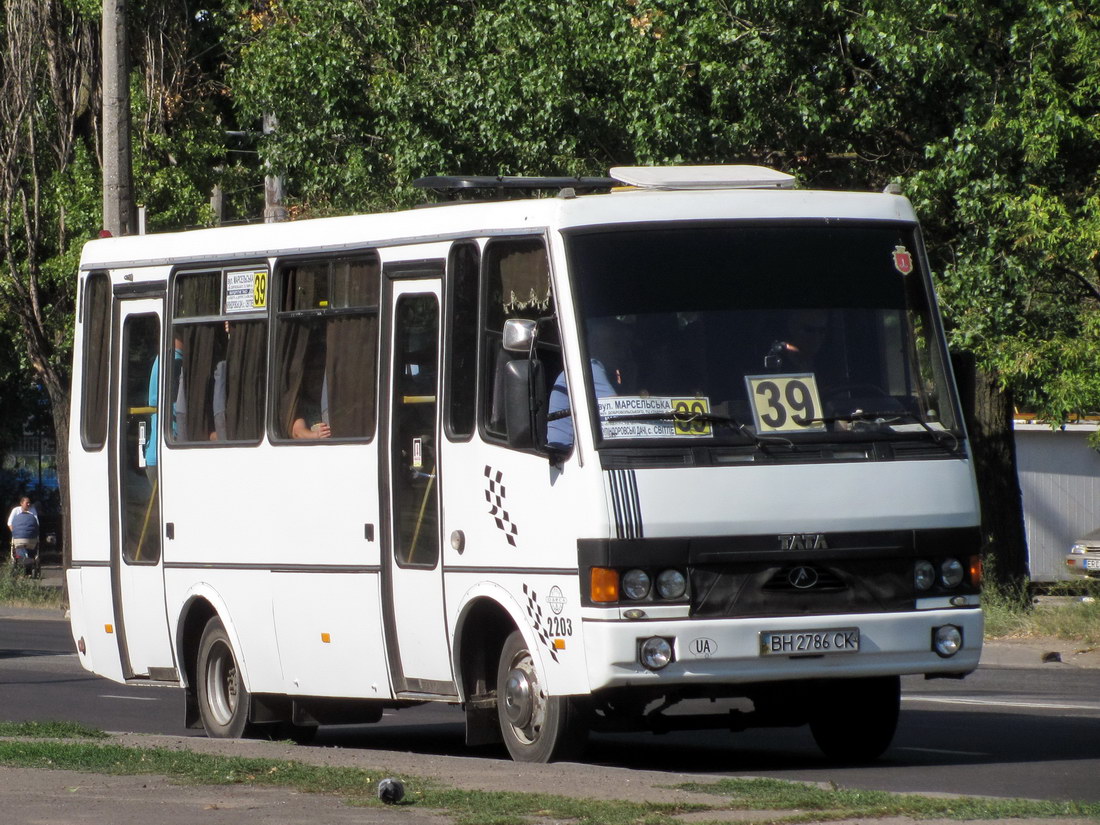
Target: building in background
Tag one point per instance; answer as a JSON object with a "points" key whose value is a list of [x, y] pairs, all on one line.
{"points": [[1060, 483]]}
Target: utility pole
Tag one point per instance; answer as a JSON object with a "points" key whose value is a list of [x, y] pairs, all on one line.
{"points": [[119, 216], [274, 211]]}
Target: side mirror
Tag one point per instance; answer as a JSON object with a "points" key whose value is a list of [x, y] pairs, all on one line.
{"points": [[519, 333], [525, 403]]}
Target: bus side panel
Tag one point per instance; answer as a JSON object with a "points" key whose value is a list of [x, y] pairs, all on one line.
{"points": [[521, 518], [90, 588], [280, 548], [330, 634], [92, 618]]}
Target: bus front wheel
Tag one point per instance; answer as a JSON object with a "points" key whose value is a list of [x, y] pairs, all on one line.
{"points": [[535, 727], [223, 698], [855, 719]]}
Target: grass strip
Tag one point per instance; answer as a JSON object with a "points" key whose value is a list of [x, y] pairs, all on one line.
{"points": [[357, 786], [18, 590], [50, 730], [818, 803], [800, 802]]}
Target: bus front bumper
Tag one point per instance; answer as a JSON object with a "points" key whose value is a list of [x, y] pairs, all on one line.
{"points": [[747, 651]]}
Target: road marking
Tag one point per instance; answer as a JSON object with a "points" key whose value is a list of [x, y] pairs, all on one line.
{"points": [[962, 700], [132, 698], [943, 751]]}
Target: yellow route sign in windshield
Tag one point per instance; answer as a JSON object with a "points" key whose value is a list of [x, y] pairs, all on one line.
{"points": [[785, 403]]}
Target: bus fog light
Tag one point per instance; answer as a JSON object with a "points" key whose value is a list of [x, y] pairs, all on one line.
{"points": [[636, 584], [951, 573], [655, 653], [671, 584], [947, 640], [924, 575]]}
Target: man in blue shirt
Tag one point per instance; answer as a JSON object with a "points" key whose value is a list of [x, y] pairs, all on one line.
{"points": [[23, 523]]}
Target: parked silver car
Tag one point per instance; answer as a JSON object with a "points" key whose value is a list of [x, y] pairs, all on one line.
{"points": [[1083, 559]]}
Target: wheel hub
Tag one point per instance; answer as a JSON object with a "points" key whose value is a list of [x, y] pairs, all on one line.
{"points": [[518, 702]]}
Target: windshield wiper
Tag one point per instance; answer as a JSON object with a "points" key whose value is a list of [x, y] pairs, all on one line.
{"points": [[941, 437], [704, 418]]}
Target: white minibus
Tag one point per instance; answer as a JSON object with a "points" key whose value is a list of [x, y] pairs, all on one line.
{"points": [[679, 448]]}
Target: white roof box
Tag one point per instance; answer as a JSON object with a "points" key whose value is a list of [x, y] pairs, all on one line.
{"points": [[702, 177]]}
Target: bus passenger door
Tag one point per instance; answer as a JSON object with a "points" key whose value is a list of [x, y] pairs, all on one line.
{"points": [[137, 572], [416, 625]]}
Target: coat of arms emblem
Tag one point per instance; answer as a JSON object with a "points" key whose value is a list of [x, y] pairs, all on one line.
{"points": [[903, 261]]}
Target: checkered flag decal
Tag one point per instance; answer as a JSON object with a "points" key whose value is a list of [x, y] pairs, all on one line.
{"points": [[534, 610], [494, 494]]}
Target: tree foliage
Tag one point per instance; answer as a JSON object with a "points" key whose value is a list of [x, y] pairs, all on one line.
{"points": [[46, 107], [985, 112]]}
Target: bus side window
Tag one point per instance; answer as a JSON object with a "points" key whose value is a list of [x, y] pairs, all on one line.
{"points": [[461, 340], [224, 351], [96, 385], [516, 285], [326, 348]]}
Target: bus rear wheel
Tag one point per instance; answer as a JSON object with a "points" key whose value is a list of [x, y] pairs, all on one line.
{"points": [[535, 727], [224, 700], [855, 719]]}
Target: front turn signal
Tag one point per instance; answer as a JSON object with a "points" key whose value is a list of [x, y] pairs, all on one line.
{"points": [[975, 570], [605, 585]]}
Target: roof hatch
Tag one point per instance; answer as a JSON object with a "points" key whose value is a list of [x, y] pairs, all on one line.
{"points": [[486, 187], [702, 177]]}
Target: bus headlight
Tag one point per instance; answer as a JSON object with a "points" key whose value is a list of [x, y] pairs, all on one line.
{"points": [[671, 584], [655, 653], [951, 573], [924, 575], [635, 584], [947, 640]]}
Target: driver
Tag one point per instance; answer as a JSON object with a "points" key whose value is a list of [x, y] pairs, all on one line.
{"points": [[612, 366], [804, 333]]}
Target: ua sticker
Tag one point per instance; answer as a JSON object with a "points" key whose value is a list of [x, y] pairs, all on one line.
{"points": [[703, 647], [903, 261]]}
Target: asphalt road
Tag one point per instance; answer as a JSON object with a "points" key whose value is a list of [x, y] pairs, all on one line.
{"points": [[1021, 731]]}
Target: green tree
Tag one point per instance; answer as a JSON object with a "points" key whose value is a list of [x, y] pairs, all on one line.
{"points": [[985, 112], [46, 109], [50, 174]]}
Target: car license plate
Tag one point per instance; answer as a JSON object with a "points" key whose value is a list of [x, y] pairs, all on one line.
{"points": [[1092, 564], [809, 642]]}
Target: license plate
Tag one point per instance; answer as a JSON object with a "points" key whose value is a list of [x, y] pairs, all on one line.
{"points": [[1092, 564], [809, 642]]}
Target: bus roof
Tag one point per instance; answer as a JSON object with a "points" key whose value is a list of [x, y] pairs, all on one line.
{"points": [[465, 219]]}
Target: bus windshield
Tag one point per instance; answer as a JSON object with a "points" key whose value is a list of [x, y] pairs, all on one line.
{"points": [[730, 333]]}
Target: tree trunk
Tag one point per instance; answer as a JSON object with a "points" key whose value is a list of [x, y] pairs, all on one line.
{"points": [[988, 411]]}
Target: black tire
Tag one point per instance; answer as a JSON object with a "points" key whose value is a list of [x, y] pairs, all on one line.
{"points": [[535, 727], [224, 701], [855, 719]]}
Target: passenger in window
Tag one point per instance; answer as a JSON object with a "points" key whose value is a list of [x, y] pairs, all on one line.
{"points": [[312, 410], [220, 392], [179, 406]]}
